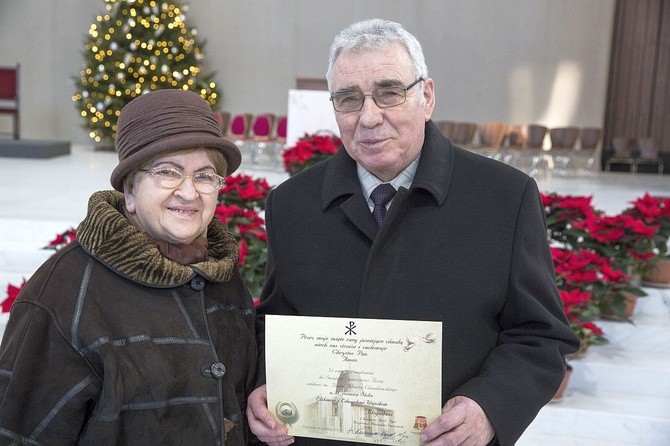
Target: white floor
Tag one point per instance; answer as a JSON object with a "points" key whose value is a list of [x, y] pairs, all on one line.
{"points": [[619, 394]]}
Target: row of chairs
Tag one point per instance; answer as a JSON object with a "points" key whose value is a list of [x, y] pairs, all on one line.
{"points": [[635, 152], [571, 150], [260, 137]]}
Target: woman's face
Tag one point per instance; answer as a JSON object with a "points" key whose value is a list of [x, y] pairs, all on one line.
{"points": [[177, 215]]}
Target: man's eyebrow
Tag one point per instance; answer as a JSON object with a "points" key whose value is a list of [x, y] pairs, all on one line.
{"points": [[389, 83], [382, 83]]}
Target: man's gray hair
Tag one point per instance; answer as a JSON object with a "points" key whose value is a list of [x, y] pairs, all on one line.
{"points": [[376, 35]]}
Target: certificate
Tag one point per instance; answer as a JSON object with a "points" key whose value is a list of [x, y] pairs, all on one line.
{"points": [[360, 380]]}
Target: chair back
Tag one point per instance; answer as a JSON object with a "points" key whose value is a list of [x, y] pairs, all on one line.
{"points": [[563, 137], [589, 138], [491, 134], [8, 83], [648, 149], [280, 131], [464, 132], [447, 128], [622, 147], [9, 95], [223, 119], [239, 126], [535, 134], [262, 127]]}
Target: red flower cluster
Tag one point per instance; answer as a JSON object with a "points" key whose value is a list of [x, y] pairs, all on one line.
{"points": [[621, 237], [562, 211], [309, 150], [246, 221], [245, 191], [586, 281], [583, 268], [654, 211], [12, 294], [567, 207], [249, 229], [63, 239]]}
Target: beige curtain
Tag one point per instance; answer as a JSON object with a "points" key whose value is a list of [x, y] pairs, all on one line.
{"points": [[638, 97]]}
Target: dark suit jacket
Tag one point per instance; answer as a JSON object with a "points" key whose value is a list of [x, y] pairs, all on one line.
{"points": [[465, 245]]}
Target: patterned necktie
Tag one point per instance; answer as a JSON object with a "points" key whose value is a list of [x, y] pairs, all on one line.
{"points": [[380, 197]]}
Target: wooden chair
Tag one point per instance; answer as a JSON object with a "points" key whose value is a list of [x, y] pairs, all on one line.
{"points": [[447, 128], [223, 119], [9, 96], [491, 136], [239, 128], [563, 140], [588, 151], [262, 133], [279, 141], [540, 160], [648, 154], [464, 133], [512, 145], [280, 131], [623, 154]]}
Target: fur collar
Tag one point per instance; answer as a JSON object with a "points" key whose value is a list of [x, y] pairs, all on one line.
{"points": [[110, 237]]}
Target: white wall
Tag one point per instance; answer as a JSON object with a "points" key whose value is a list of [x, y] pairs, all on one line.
{"points": [[518, 61]]}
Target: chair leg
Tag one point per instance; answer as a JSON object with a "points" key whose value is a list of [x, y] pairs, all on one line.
{"points": [[16, 126]]}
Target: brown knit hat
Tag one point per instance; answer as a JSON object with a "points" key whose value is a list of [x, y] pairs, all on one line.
{"points": [[163, 121]]}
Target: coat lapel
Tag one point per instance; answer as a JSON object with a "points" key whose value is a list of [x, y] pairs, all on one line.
{"points": [[342, 188]]}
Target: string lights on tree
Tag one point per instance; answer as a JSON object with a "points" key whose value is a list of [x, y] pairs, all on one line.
{"points": [[135, 47]]}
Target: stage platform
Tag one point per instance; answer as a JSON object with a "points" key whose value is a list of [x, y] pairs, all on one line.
{"points": [[32, 148]]}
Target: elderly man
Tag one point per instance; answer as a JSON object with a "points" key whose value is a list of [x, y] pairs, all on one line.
{"points": [[463, 242]]}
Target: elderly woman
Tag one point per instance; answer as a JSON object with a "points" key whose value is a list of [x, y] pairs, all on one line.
{"points": [[141, 332]]}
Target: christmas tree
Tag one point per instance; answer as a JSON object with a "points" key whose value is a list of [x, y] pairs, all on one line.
{"points": [[135, 47]]}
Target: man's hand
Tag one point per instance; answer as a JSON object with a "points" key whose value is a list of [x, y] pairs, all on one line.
{"points": [[462, 423], [262, 423]]}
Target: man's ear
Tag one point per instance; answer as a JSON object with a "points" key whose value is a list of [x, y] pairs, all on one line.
{"points": [[429, 97]]}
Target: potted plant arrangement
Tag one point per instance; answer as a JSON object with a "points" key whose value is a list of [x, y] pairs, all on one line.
{"points": [[625, 241], [241, 205], [655, 211], [309, 150], [581, 277]]}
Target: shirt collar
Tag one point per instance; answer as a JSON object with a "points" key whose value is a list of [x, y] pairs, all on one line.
{"points": [[369, 181]]}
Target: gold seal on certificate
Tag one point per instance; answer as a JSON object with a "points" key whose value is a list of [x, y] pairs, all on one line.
{"points": [[361, 380], [287, 413]]}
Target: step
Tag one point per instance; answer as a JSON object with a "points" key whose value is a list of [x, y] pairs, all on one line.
{"points": [[20, 234], [605, 369], [609, 418]]}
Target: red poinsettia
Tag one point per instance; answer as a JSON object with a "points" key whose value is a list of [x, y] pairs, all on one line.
{"points": [[628, 241], [12, 293], [309, 150], [63, 239], [244, 191], [562, 211], [249, 228], [654, 211]]}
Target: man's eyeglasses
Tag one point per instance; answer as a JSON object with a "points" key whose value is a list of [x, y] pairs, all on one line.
{"points": [[384, 97], [171, 178]]}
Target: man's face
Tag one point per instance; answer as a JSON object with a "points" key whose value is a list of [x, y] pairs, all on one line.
{"points": [[383, 140]]}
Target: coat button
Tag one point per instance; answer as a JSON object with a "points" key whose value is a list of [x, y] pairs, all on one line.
{"points": [[198, 283], [218, 370]]}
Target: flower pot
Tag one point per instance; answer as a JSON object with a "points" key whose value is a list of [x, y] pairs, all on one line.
{"points": [[560, 393], [658, 274], [583, 349], [627, 312]]}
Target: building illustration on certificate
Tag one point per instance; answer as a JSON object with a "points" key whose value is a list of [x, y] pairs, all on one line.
{"points": [[347, 411]]}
